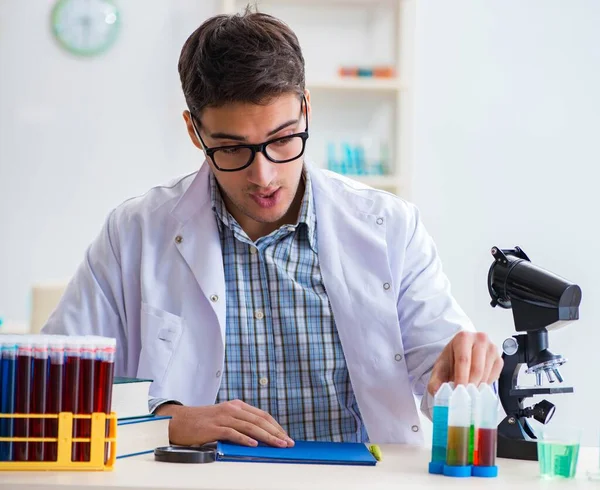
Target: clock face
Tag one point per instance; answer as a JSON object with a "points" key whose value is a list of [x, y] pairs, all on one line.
{"points": [[85, 27]]}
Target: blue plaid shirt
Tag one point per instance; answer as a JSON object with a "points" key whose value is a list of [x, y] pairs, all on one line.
{"points": [[283, 354]]}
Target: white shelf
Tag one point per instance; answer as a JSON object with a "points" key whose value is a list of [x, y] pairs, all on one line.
{"points": [[377, 181], [368, 84]]}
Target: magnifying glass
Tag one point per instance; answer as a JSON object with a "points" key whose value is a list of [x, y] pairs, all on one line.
{"points": [[185, 454]]}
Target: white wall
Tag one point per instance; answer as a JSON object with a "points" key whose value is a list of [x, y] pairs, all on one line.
{"points": [[79, 136], [506, 153]]}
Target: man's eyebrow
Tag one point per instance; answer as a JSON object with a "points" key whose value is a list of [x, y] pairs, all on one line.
{"points": [[237, 137]]}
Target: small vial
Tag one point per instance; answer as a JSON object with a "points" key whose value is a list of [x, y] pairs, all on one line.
{"points": [[23, 396], [86, 395], [440, 428], [8, 388], [71, 383], [38, 396], [56, 353], [487, 431], [459, 424], [475, 413], [105, 372]]}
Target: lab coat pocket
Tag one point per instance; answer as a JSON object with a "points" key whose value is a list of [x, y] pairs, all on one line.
{"points": [[160, 334]]}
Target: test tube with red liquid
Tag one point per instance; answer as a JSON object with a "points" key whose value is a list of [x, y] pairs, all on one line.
{"points": [[86, 396], [484, 464], [38, 396], [23, 396], [56, 353], [71, 383], [105, 372]]}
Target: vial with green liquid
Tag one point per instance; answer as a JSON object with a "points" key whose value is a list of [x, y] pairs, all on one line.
{"points": [[475, 413]]}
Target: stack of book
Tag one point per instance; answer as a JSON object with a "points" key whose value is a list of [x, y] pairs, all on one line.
{"points": [[138, 431]]}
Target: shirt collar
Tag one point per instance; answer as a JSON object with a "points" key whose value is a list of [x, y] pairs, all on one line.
{"points": [[306, 217]]}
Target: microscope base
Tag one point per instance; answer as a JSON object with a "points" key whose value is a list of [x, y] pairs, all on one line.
{"points": [[517, 449], [516, 440]]}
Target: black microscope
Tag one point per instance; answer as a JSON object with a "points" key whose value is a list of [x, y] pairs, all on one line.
{"points": [[540, 301]]}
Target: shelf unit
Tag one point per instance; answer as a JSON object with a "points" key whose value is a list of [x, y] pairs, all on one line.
{"points": [[393, 95]]}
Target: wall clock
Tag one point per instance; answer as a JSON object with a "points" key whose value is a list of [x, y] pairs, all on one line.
{"points": [[85, 27]]}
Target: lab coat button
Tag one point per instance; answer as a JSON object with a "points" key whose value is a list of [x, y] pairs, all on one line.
{"points": [[398, 357], [218, 374], [214, 298], [386, 285], [415, 428], [379, 221], [264, 381], [259, 315], [178, 239]]}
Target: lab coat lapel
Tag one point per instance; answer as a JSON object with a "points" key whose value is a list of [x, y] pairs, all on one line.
{"points": [[354, 263], [199, 243]]}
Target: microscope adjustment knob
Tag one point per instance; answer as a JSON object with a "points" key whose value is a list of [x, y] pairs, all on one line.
{"points": [[510, 346]]}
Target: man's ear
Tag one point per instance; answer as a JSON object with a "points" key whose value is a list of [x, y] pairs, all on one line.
{"points": [[308, 106], [187, 117]]}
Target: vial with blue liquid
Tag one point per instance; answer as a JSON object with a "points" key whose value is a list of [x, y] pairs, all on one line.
{"points": [[440, 428]]}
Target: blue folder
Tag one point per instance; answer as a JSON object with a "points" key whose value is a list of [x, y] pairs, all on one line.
{"points": [[303, 452]]}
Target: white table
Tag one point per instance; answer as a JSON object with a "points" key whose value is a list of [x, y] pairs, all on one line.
{"points": [[402, 467]]}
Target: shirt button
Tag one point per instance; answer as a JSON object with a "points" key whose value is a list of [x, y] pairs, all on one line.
{"points": [[291, 228], [379, 221], [178, 239], [386, 285], [398, 357], [264, 381], [218, 374], [415, 428], [214, 298], [259, 315], [253, 250]]}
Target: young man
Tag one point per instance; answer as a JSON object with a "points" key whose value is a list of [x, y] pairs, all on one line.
{"points": [[269, 300]]}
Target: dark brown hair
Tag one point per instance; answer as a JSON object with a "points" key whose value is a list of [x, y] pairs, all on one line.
{"points": [[248, 57]]}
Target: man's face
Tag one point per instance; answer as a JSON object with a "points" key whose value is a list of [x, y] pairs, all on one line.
{"points": [[265, 193]]}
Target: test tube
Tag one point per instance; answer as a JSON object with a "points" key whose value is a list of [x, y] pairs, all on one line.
{"points": [[105, 371], [56, 348], [459, 424], [475, 411], [38, 395], [8, 389], [487, 430], [86, 395], [440, 429], [23, 396], [71, 382]]}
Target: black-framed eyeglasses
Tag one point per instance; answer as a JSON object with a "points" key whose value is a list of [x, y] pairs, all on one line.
{"points": [[285, 149]]}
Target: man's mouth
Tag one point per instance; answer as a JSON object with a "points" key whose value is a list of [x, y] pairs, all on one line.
{"points": [[267, 198]]}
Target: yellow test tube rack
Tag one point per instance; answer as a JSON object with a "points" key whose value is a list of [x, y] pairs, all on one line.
{"points": [[98, 442]]}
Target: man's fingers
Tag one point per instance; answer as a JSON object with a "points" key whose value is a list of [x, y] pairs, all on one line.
{"points": [[232, 435], [478, 361], [280, 433], [462, 346], [434, 382], [490, 360], [254, 429], [496, 370]]}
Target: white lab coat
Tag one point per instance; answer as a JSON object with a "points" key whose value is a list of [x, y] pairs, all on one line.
{"points": [[154, 279]]}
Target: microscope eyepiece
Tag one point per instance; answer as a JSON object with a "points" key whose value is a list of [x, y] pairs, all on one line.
{"points": [[538, 297]]}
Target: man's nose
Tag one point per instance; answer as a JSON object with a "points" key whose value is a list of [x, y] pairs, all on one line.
{"points": [[262, 171]]}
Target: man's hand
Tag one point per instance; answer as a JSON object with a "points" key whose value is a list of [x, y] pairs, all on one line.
{"points": [[233, 421], [468, 358]]}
